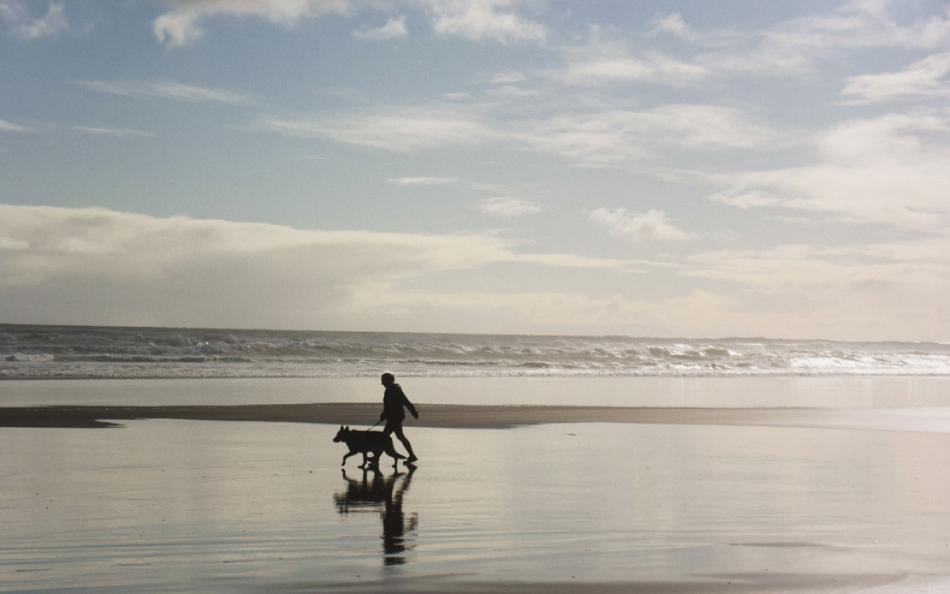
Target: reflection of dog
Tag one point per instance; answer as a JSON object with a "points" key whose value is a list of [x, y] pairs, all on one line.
{"points": [[364, 442], [383, 494]]}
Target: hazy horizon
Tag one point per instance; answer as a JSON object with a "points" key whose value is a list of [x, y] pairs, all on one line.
{"points": [[517, 167]]}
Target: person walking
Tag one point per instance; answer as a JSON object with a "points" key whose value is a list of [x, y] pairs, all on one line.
{"points": [[394, 399]]}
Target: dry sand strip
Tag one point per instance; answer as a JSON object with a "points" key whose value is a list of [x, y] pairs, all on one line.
{"points": [[431, 415]]}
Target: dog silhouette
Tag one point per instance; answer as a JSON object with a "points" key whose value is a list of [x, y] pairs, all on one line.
{"points": [[364, 442]]}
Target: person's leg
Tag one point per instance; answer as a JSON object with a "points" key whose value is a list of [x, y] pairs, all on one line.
{"points": [[405, 442]]}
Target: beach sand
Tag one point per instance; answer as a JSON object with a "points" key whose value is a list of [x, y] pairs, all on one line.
{"points": [[520, 499]]}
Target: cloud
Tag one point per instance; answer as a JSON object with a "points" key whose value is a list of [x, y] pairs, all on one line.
{"points": [[422, 181], [538, 312], [507, 78], [120, 133], [479, 20], [502, 206], [885, 290], [395, 28], [619, 136], [604, 59], [167, 89], [183, 24], [7, 126], [93, 265], [476, 20], [16, 15], [652, 225], [513, 92], [889, 170], [672, 24], [745, 200], [588, 138], [797, 45], [397, 130], [792, 46], [652, 67], [925, 78]]}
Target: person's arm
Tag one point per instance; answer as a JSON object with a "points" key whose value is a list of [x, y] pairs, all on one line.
{"points": [[409, 405]]}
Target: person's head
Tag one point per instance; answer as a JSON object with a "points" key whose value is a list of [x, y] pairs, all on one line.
{"points": [[388, 379]]}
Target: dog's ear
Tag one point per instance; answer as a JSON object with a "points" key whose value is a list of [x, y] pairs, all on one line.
{"points": [[341, 427]]}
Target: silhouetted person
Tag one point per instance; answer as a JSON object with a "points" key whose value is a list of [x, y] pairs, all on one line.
{"points": [[393, 402]]}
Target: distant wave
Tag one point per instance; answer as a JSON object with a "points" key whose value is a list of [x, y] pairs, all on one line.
{"points": [[30, 352]]}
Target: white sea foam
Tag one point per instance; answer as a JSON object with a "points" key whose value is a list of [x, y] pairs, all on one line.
{"points": [[102, 352]]}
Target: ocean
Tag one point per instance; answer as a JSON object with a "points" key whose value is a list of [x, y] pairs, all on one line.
{"points": [[98, 352]]}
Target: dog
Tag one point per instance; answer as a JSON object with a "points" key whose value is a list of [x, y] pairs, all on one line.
{"points": [[365, 442]]}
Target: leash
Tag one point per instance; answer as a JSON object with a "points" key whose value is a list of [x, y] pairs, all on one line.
{"points": [[374, 426]]}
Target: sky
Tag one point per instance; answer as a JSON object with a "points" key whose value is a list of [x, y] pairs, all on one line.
{"points": [[677, 169]]}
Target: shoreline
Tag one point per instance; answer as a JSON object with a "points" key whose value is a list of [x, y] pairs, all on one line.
{"points": [[452, 416]]}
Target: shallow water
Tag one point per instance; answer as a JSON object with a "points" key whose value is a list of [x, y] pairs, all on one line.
{"points": [[184, 506]]}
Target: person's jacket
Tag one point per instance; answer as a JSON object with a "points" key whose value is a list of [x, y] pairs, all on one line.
{"points": [[393, 402]]}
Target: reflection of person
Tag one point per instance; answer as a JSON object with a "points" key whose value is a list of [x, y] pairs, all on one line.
{"points": [[393, 402], [394, 521], [385, 495]]}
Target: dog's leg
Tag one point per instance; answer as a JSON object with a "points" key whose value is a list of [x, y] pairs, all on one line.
{"points": [[347, 455]]}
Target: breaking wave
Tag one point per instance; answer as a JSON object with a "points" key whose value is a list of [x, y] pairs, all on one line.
{"points": [[30, 352]]}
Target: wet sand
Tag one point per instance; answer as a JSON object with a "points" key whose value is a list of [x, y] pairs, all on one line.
{"points": [[247, 497], [201, 506], [486, 416]]}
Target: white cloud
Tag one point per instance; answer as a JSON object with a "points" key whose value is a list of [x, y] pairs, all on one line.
{"points": [[494, 20], [183, 24], [614, 137], [745, 200], [398, 130], [507, 78], [693, 313], [106, 267], [924, 78], [797, 45], [502, 206], [12, 244], [604, 59], [597, 138], [483, 20], [28, 28], [888, 290], [7, 126], [651, 67], [889, 170], [672, 24], [120, 133], [167, 89], [513, 92], [395, 28], [94, 265], [652, 225], [422, 181]]}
